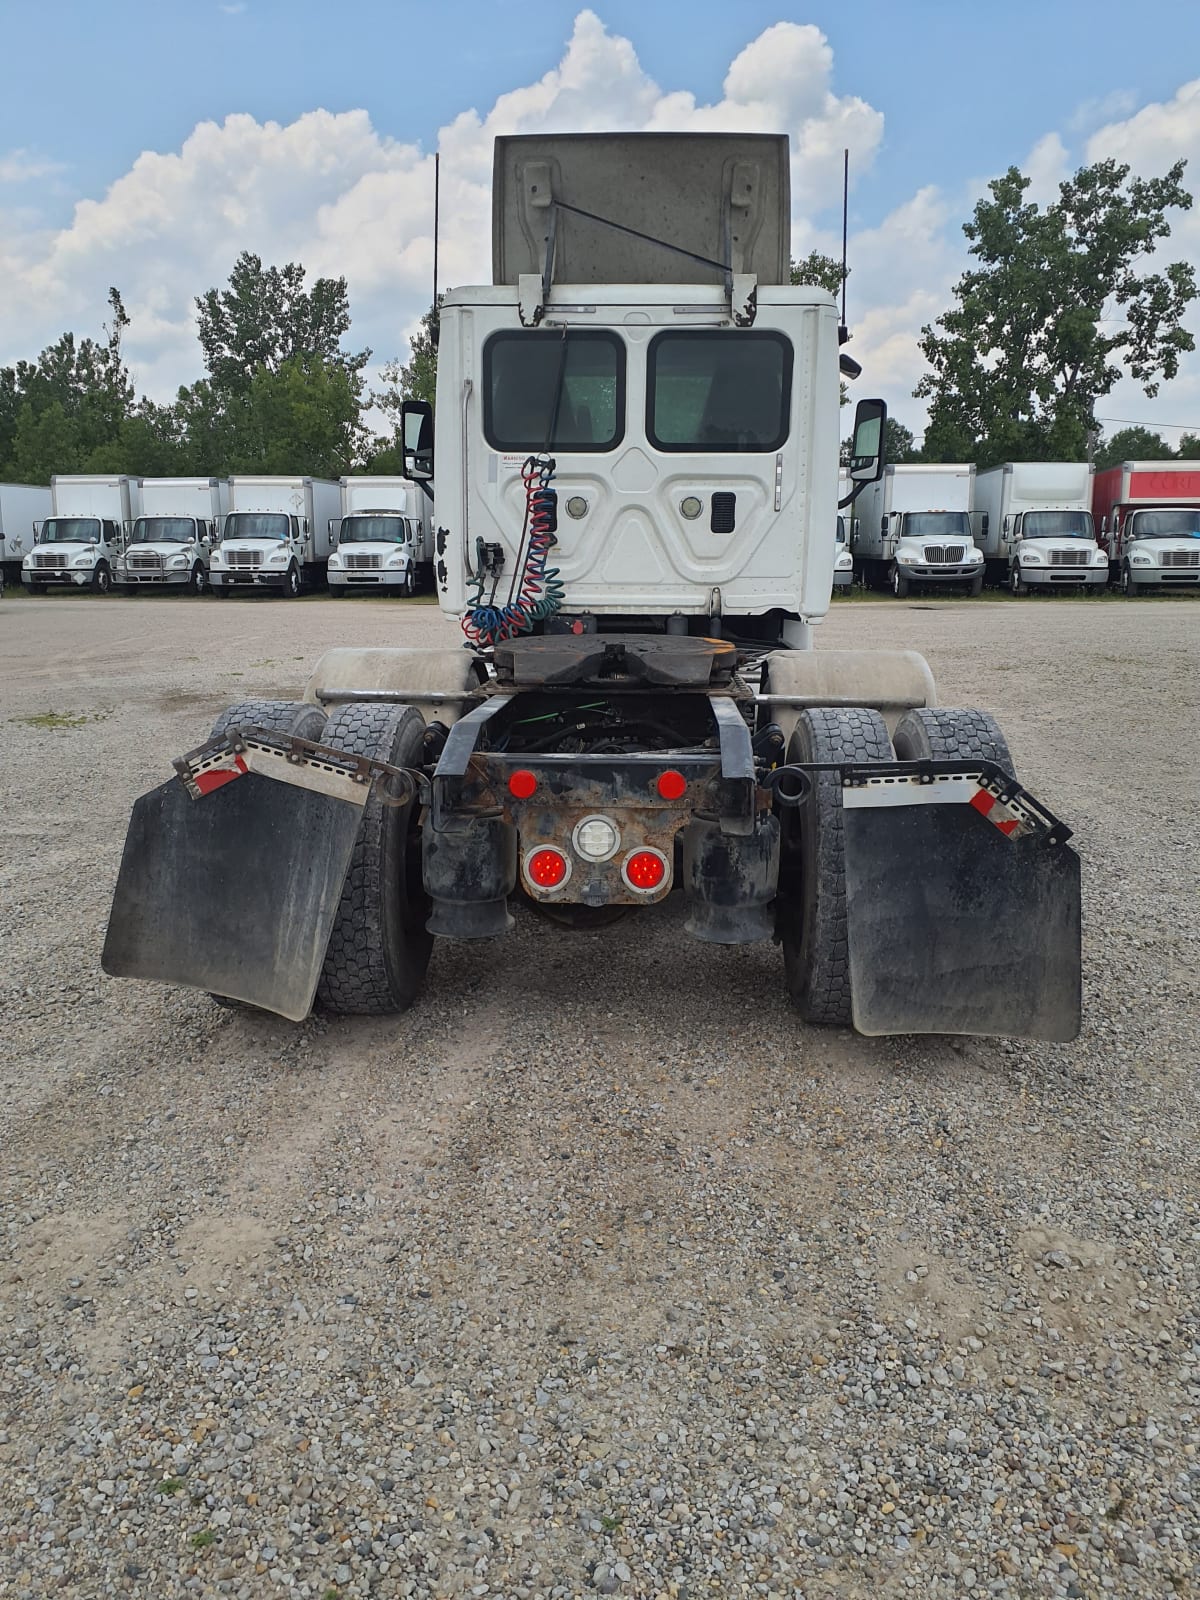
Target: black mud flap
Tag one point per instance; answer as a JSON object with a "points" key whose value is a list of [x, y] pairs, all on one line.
{"points": [[954, 926], [235, 892]]}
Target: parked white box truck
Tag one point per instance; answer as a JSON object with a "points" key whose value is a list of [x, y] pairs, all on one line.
{"points": [[80, 542], [385, 539], [843, 561], [21, 505], [1034, 524], [914, 526], [170, 543], [277, 534]]}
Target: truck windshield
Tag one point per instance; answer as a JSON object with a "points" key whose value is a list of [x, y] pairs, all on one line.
{"points": [[363, 530], [256, 525], [66, 530], [543, 390], [179, 529], [1183, 524], [1057, 525], [714, 392], [937, 524]]}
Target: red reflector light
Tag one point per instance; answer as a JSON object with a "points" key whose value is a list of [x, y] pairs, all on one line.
{"points": [[522, 784], [546, 869], [672, 785], [645, 869]]}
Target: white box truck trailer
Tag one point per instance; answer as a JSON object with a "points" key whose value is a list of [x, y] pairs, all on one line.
{"points": [[170, 543], [385, 538], [635, 459], [914, 527], [1034, 525], [21, 505], [277, 535], [80, 542]]}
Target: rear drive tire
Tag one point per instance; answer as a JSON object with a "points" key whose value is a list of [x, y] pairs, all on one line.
{"points": [[379, 948], [937, 732], [811, 903], [900, 583]]}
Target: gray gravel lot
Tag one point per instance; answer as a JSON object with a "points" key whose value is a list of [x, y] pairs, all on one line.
{"points": [[597, 1271]]}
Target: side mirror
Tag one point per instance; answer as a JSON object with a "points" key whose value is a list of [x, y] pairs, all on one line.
{"points": [[883, 522], [983, 526], [416, 433], [37, 532], [335, 527], [866, 452]]}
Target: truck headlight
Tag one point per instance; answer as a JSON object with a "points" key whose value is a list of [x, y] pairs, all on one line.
{"points": [[398, 560], [1141, 561], [1099, 559], [906, 560], [179, 561], [216, 559], [335, 560], [85, 560], [1031, 558], [976, 553], [277, 557], [845, 559]]}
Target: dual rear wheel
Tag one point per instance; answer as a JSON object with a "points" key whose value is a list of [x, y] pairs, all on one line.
{"points": [[811, 919]]}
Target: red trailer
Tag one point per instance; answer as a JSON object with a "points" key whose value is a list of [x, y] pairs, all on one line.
{"points": [[1147, 516]]}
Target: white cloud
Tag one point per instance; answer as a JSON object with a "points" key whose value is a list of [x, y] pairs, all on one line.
{"points": [[1105, 108], [23, 166], [334, 192]]}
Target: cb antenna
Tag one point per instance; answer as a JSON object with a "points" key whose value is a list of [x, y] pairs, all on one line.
{"points": [[844, 331], [437, 189]]}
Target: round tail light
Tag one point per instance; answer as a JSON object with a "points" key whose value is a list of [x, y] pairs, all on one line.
{"points": [[645, 870], [546, 868], [672, 785], [522, 784]]}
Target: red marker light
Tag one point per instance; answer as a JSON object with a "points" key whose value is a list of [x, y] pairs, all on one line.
{"points": [[546, 869], [672, 785], [645, 869], [522, 784]]}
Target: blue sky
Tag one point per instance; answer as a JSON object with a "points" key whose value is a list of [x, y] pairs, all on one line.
{"points": [[936, 97]]}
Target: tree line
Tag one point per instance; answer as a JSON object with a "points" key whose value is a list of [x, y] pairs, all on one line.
{"points": [[1057, 307]]}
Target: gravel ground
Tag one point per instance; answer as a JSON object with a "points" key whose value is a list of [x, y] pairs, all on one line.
{"points": [[598, 1271]]}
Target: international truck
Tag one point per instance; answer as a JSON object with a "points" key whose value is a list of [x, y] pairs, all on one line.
{"points": [[914, 527], [1034, 521], [635, 469], [80, 543], [1148, 514], [276, 535], [171, 542], [21, 505], [385, 538]]}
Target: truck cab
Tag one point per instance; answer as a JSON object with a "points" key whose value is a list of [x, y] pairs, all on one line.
{"points": [[1047, 549], [79, 545], [170, 544], [913, 526], [1149, 516], [276, 535], [843, 561]]}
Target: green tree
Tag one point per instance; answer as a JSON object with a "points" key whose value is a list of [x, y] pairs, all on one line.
{"points": [[1054, 314], [1132, 444], [266, 318], [824, 271], [71, 401], [1189, 447], [898, 443], [305, 418]]}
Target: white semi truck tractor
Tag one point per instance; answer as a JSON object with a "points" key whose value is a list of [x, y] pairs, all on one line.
{"points": [[635, 465], [913, 526], [385, 539], [1034, 522], [21, 505], [171, 542], [80, 543], [276, 536]]}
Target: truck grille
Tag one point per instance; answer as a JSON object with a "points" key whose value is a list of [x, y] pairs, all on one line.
{"points": [[936, 554], [148, 561], [1069, 558], [1181, 558], [46, 559], [354, 558], [244, 558]]}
